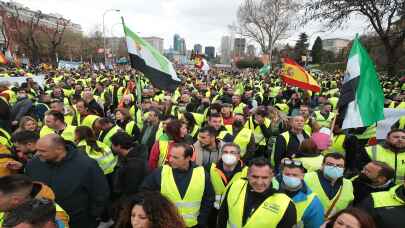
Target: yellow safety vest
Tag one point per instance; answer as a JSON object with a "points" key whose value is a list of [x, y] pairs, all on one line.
{"points": [[395, 160], [107, 138], [370, 132], [387, 198], [302, 206], [337, 144], [105, 159], [88, 121], [273, 207], [345, 198], [5, 138], [242, 139], [189, 206], [311, 163], [129, 128], [239, 109], [322, 121], [219, 182], [258, 134], [286, 136], [283, 107], [307, 128], [402, 123], [67, 134], [195, 130], [137, 116], [164, 151]]}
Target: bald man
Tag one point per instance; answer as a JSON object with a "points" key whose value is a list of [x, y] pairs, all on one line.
{"points": [[79, 184]]}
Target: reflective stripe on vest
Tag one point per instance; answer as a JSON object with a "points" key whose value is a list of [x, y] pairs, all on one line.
{"points": [[394, 160], [259, 137], [189, 206], [387, 198], [346, 197], [163, 152], [105, 158], [273, 207]]}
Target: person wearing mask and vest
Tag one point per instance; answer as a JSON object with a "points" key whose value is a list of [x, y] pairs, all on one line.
{"points": [[259, 123], [87, 142], [325, 116], [241, 136], [288, 143], [105, 129], [375, 177], [309, 207], [55, 123], [254, 203], [392, 152], [328, 183], [184, 184], [387, 207]]}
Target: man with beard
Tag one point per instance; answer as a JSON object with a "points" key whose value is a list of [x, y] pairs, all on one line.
{"points": [[25, 142], [375, 177], [207, 147], [392, 152]]}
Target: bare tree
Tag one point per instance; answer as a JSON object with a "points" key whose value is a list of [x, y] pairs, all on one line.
{"points": [[265, 21], [55, 36], [384, 16]]}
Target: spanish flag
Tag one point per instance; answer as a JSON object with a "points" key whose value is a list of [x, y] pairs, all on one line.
{"points": [[3, 59], [295, 75]]}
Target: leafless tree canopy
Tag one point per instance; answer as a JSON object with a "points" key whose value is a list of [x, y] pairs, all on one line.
{"points": [[383, 16], [266, 21]]}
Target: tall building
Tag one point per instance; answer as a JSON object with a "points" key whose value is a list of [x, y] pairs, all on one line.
{"points": [[335, 45], [239, 47], [210, 52], [156, 42], [176, 42], [251, 50], [198, 48], [183, 47], [226, 49]]}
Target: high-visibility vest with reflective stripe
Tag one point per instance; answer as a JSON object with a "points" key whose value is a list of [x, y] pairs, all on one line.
{"points": [[107, 138], [387, 198], [199, 118], [219, 182], [283, 107], [258, 134], [67, 134], [322, 121], [345, 198], [88, 121], [136, 116], [163, 152], [267, 215], [242, 139], [303, 205], [239, 109], [311, 163], [189, 205], [338, 142], [5, 138], [286, 136], [105, 158], [395, 160], [129, 128], [195, 130], [222, 134]]}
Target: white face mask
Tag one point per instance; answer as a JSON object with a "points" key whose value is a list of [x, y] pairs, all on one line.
{"points": [[229, 159]]}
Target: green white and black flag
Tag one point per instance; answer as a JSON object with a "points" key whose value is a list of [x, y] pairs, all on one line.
{"points": [[362, 98], [145, 58]]}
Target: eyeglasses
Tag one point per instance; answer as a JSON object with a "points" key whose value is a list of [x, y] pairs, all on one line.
{"points": [[230, 152], [290, 162], [335, 165]]}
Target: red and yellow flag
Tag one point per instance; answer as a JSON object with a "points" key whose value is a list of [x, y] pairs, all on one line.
{"points": [[3, 59], [294, 74]]}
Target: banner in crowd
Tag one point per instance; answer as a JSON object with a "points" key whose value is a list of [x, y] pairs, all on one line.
{"points": [[69, 65], [40, 79], [392, 115]]}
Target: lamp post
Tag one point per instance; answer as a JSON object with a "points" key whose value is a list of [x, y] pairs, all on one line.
{"points": [[104, 40]]}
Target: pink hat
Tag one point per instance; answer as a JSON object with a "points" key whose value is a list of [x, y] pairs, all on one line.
{"points": [[321, 140]]}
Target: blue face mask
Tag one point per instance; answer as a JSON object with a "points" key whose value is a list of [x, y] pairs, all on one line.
{"points": [[291, 182], [333, 172]]}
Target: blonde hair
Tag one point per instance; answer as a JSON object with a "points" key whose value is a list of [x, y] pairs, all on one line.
{"points": [[24, 120]]}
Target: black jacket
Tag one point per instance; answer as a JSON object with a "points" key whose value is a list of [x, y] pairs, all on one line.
{"points": [[79, 185], [362, 190], [130, 173], [182, 179], [252, 201], [282, 150], [386, 217]]}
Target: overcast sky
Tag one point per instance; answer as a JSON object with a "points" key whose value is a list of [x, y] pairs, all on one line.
{"points": [[198, 21]]}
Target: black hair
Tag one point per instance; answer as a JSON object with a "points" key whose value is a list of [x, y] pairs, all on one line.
{"points": [[336, 156], [260, 162], [210, 130], [57, 115], [25, 137], [15, 183], [122, 139]]}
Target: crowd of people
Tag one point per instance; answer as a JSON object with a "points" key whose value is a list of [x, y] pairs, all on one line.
{"points": [[227, 149]]}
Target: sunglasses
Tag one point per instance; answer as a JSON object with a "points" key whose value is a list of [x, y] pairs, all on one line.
{"points": [[290, 162]]}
